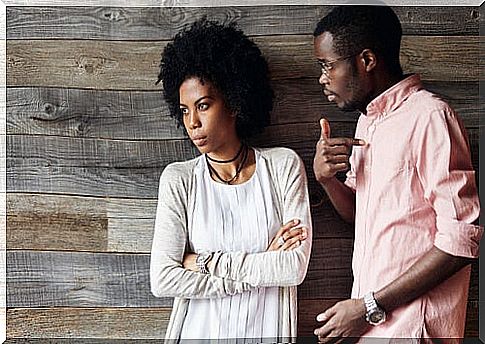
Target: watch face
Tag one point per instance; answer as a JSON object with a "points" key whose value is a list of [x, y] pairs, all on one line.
{"points": [[377, 317]]}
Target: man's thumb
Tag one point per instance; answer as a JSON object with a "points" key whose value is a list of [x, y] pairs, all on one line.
{"points": [[325, 128]]}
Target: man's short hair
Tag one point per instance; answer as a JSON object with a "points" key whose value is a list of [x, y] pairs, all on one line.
{"points": [[358, 27]]}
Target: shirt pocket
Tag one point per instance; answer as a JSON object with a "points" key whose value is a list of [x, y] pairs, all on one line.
{"points": [[395, 185]]}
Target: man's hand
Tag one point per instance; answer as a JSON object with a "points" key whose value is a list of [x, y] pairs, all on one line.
{"points": [[332, 154], [344, 320]]}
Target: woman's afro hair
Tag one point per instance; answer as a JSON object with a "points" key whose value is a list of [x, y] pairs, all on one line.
{"points": [[224, 56]]}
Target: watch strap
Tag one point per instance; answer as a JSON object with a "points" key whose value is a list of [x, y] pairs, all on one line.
{"points": [[202, 260]]}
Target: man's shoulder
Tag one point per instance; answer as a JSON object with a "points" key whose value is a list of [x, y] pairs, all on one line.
{"points": [[430, 102]]}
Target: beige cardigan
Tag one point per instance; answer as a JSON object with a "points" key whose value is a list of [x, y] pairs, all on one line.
{"points": [[231, 272]]}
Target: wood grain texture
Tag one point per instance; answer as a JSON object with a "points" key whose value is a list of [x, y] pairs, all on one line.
{"points": [[92, 324], [95, 167], [148, 23], [115, 168], [123, 225], [79, 279], [330, 271], [58, 222], [90, 113], [142, 323], [143, 115], [309, 309], [85, 279], [134, 65]]}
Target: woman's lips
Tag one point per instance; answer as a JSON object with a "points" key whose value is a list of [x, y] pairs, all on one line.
{"points": [[199, 140]]}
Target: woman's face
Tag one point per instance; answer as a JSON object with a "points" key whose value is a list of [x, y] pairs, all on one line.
{"points": [[210, 124]]}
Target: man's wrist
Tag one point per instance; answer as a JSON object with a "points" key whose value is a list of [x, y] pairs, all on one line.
{"points": [[327, 182], [375, 314]]}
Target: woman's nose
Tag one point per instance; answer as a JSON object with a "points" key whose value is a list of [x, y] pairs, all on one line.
{"points": [[194, 121]]}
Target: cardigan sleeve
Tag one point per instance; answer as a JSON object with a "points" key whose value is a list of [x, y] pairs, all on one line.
{"points": [[275, 268], [168, 277]]}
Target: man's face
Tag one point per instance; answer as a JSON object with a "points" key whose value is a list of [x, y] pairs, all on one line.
{"points": [[341, 79]]}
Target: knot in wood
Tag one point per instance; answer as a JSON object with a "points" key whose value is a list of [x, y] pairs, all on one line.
{"points": [[91, 64], [112, 16], [49, 109], [475, 14]]}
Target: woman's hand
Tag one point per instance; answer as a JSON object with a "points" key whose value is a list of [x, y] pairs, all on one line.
{"points": [[289, 233], [189, 262], [289, 237]]}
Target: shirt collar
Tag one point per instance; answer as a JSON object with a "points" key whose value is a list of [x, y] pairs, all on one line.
{"points": [[394, 96]]}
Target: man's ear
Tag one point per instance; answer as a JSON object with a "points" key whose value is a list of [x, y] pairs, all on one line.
{"points": [[369, 59]]}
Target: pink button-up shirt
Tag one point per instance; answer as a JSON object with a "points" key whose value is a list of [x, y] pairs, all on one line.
{"points": [[415, 188]]}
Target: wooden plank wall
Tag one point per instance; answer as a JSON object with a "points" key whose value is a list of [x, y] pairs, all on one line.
{"points": [[88, 136]]}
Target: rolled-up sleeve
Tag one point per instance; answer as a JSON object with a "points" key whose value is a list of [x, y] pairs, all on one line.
{"points": [[446, 174]]}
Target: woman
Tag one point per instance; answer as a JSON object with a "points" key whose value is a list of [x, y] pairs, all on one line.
{"points": [[242, 211]]}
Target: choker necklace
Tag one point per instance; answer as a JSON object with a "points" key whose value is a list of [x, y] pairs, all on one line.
{"points": [[238, 169], [226, 161]]}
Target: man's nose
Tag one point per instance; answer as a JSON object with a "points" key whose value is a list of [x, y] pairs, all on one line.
{"points": [[324, 79]]}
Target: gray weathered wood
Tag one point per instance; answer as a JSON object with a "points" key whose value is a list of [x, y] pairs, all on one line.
{"points": [[90, 113], [148, 23], [56, 222], [79, 279], [61, 222], [85, 279], [144, 115], [92, 324], [97, 167], [134, 65], [140, 115], [90, 166]]}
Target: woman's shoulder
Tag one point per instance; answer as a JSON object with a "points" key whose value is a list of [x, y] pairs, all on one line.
{"points": [[179, 171], [280, 155]]}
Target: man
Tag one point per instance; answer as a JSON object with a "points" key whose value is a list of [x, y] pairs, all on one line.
{"points": [[410, 189]]}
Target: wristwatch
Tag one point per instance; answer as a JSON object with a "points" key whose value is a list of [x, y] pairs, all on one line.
{"points": [[202, 259], [375, 315]]}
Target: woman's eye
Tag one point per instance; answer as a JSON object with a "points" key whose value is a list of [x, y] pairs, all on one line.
{"points": [[184, 111], [203, 106]]}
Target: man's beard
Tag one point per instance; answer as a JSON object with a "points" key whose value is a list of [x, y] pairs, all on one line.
{"points": [[354, 88]]}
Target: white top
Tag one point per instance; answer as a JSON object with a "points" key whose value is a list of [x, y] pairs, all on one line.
{"points": [[231, 218], [235, 272]]}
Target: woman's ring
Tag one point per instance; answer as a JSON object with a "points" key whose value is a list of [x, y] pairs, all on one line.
{"points": [[281, 241]]}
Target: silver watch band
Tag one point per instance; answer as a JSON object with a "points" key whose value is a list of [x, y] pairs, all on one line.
{"points": [[202, 260]]}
